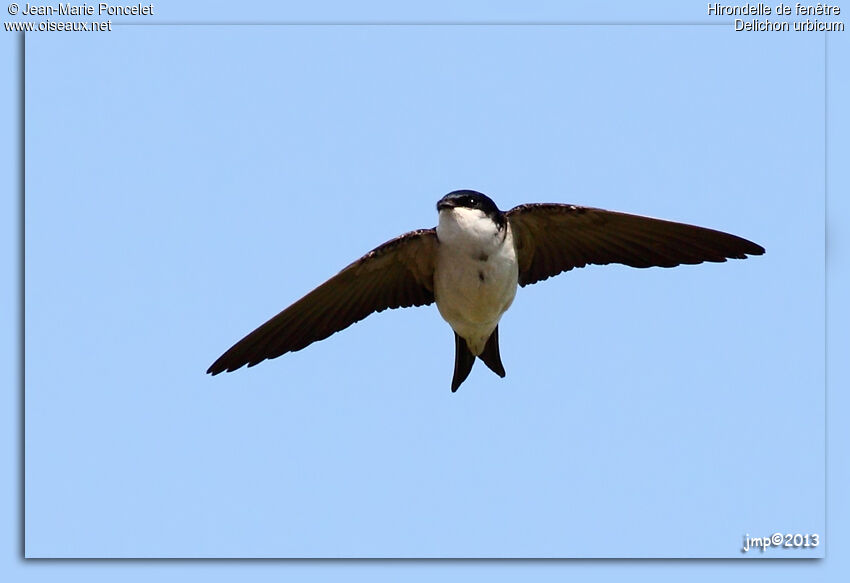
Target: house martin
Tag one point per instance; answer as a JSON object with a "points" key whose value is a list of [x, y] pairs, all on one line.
{"points": [[470, 265]]}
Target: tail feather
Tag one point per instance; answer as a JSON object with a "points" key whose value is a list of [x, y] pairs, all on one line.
{"points": [[464, 359], [490, 355]]}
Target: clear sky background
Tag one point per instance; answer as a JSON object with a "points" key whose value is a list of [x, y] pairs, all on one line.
{"points": [[180, 186]]}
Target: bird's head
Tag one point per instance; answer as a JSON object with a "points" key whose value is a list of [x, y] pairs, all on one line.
{"points": [[471, 210]]}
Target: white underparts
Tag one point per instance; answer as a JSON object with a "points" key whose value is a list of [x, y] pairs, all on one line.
{"points": [[475, 276]]}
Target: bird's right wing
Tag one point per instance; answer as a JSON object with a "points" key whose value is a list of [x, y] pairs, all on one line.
{"points": [[398, 274]]}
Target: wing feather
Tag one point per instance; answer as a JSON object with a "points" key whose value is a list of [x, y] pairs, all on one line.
{"points": [[399, 273], [552, 238]]}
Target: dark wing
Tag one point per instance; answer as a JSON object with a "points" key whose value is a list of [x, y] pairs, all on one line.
{"points": [[551, 238], [397, 274]]}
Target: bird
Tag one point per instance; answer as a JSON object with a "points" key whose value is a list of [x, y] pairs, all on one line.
{"points": [[471, 265]]}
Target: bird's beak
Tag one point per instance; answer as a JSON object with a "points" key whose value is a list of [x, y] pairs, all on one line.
{"points": [[445, 204]]}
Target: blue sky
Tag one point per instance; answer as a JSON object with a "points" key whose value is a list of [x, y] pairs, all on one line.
{"points": [[177, 178]]}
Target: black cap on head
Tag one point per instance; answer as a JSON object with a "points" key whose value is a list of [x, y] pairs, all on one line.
{"points": [[469, 199]]}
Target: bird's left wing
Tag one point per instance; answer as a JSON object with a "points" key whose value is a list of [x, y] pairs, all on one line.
{"points": [[398, 274], [551, 238]]}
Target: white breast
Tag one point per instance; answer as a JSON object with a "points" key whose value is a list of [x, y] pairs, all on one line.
{"points": [[475, 277]]}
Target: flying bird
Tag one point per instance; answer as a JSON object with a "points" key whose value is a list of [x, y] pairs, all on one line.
{"points": [[470, 265]]}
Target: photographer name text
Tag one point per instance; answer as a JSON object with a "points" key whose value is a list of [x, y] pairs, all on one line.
{"points": [[100, 9]]}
